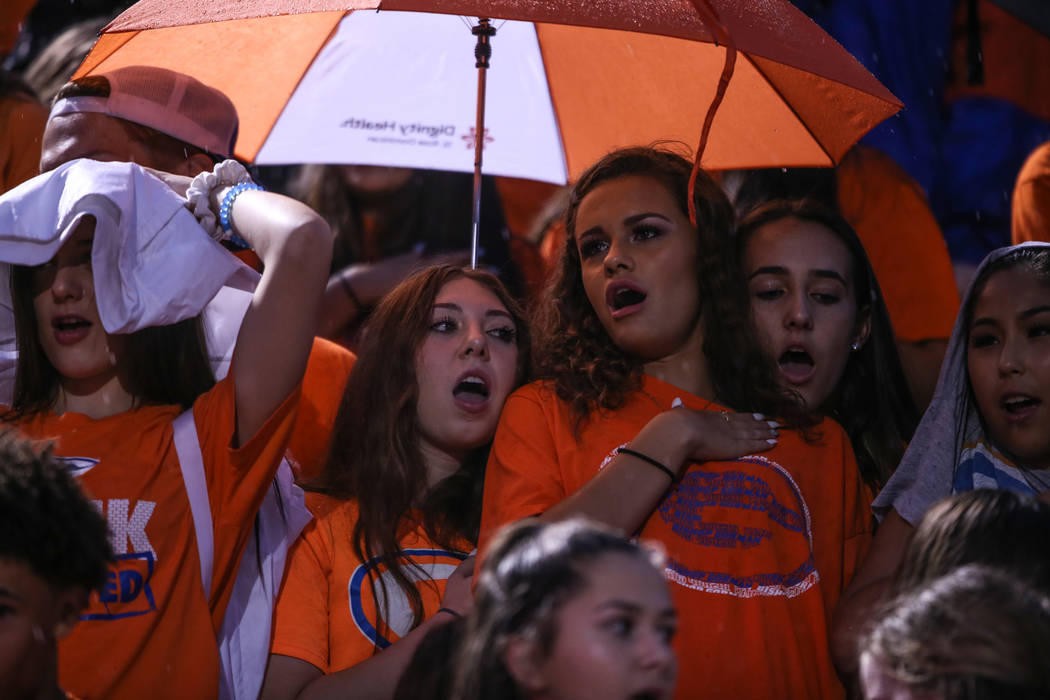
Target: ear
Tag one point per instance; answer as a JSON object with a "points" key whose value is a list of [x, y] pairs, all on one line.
{"points": [[195, 165], [863, 328], [68, 605], [523, 662]]}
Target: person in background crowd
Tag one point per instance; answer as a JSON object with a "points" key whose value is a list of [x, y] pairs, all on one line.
{"points": [[21, 115], [568, 610], [988, 426], [388, 223], [901, 238], [54, 551], [49, 71], [646, 350], [108, 360], [976, 633], [820, 313], [1030, 210], [107, 118], [367, 580]]}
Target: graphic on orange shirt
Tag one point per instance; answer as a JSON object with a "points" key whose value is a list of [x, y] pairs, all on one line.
{"points": [[394, 613]]}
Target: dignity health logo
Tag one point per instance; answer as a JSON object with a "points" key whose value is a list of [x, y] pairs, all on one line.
{"points": [[413, 134]]}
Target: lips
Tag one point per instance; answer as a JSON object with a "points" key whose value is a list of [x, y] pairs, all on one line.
{"points": [[624, 298], [796, 364], [1019, 407], [70, 329], [471, 391]]}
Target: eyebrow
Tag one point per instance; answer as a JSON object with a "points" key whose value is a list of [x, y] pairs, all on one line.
{"points": [[488, 314], [1035, 310], [780, 270], [629, 221]]}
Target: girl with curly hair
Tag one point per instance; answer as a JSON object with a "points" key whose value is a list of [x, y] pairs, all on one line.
{"points": [[651, 417]]}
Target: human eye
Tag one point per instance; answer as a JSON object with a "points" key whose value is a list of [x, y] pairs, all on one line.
{"points": [[1039, 330], [826, 298], [768, 292], [589, 247], [620, 626], [506, 334], [667, 631], [982, 340], [646, 231], [444, 324]]}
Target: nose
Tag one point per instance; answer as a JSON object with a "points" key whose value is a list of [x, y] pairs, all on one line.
{"points": [[655, 655], [798, 313], [1011, 358], [67, 283], [476, 343], [617, 258]]}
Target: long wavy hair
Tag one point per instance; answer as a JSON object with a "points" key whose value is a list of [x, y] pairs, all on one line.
{"points": [[375, 457], [590, 372], [531, 570], [160, 365], [872, 401]]}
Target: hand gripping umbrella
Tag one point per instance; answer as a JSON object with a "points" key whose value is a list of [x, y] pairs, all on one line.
{"points": [[326, 81]]}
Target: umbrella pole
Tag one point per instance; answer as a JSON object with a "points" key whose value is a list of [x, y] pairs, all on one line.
{"points": [[482, 52]]}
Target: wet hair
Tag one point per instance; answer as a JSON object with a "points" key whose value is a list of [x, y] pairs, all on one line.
{"points": [[1033, 259], [994, 527], [431, 671], [976, 633], [161, 365], [872, 401], [167, 151], [531, 569], [375, 456], [587, 368], [46, 521]]}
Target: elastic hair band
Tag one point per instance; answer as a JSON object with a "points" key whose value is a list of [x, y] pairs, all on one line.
{"points": [[227, 202], [646, 458], [450, 611]]}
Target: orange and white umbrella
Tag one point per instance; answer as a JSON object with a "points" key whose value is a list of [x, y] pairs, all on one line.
{"points": [[326, 81], [323, 81]]}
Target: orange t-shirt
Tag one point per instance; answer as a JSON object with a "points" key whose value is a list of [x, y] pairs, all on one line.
{"points": [[891, 216], [324, 380], [759, 548], [326, 614], [1030, 209], [22, 121], [150, 631]]}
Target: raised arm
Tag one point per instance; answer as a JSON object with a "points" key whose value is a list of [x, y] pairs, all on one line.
{"points": [[295, 245]]}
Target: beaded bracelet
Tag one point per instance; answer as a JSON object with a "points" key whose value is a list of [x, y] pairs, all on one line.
{"points": [[198, 194], [650, 460], [227, 203]]}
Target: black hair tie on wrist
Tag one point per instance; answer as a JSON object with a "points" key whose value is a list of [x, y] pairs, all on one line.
{"points": [[450, 611], [646, 458]]}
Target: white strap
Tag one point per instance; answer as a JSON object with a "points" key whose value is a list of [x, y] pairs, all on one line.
{"points": [[191, 461]]}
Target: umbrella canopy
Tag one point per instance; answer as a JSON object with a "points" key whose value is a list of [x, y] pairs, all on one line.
{"points": [[570, 80]]}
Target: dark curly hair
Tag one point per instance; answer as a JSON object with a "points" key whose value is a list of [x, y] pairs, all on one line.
{"points": [[46, 522], [587, 368], [872, 400]]}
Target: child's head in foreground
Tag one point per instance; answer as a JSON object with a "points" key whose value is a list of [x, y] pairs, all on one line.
{"points": [[54, 550]]}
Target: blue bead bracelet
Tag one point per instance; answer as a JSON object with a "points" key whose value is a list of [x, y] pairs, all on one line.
{"points": [[227, 202]]}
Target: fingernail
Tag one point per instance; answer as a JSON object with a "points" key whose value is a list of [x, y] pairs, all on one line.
{"points": [[758, 416], [773, 424], [677, 402], [772, 441]]}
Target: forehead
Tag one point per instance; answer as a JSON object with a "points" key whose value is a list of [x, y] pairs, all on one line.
{"points": [[624, 196], [798, 245], [626, 577], [1012, 291], [469, 294], [85, 135]]}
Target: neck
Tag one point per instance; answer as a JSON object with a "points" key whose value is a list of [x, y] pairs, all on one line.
{"points": [[686, 368], [95, 397], [440, 463]]}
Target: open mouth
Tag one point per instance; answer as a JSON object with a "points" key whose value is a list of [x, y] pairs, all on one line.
{"points": [[647, 695], [623, 297], [796, 364], [1020, 405], [471, 390], [69, 323]]}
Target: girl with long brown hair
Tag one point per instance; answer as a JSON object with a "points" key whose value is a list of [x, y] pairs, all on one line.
{"points": [[402, 487], [651, 416]]}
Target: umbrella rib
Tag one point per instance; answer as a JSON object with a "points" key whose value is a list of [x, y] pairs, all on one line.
{"points": [[791, 107]]}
